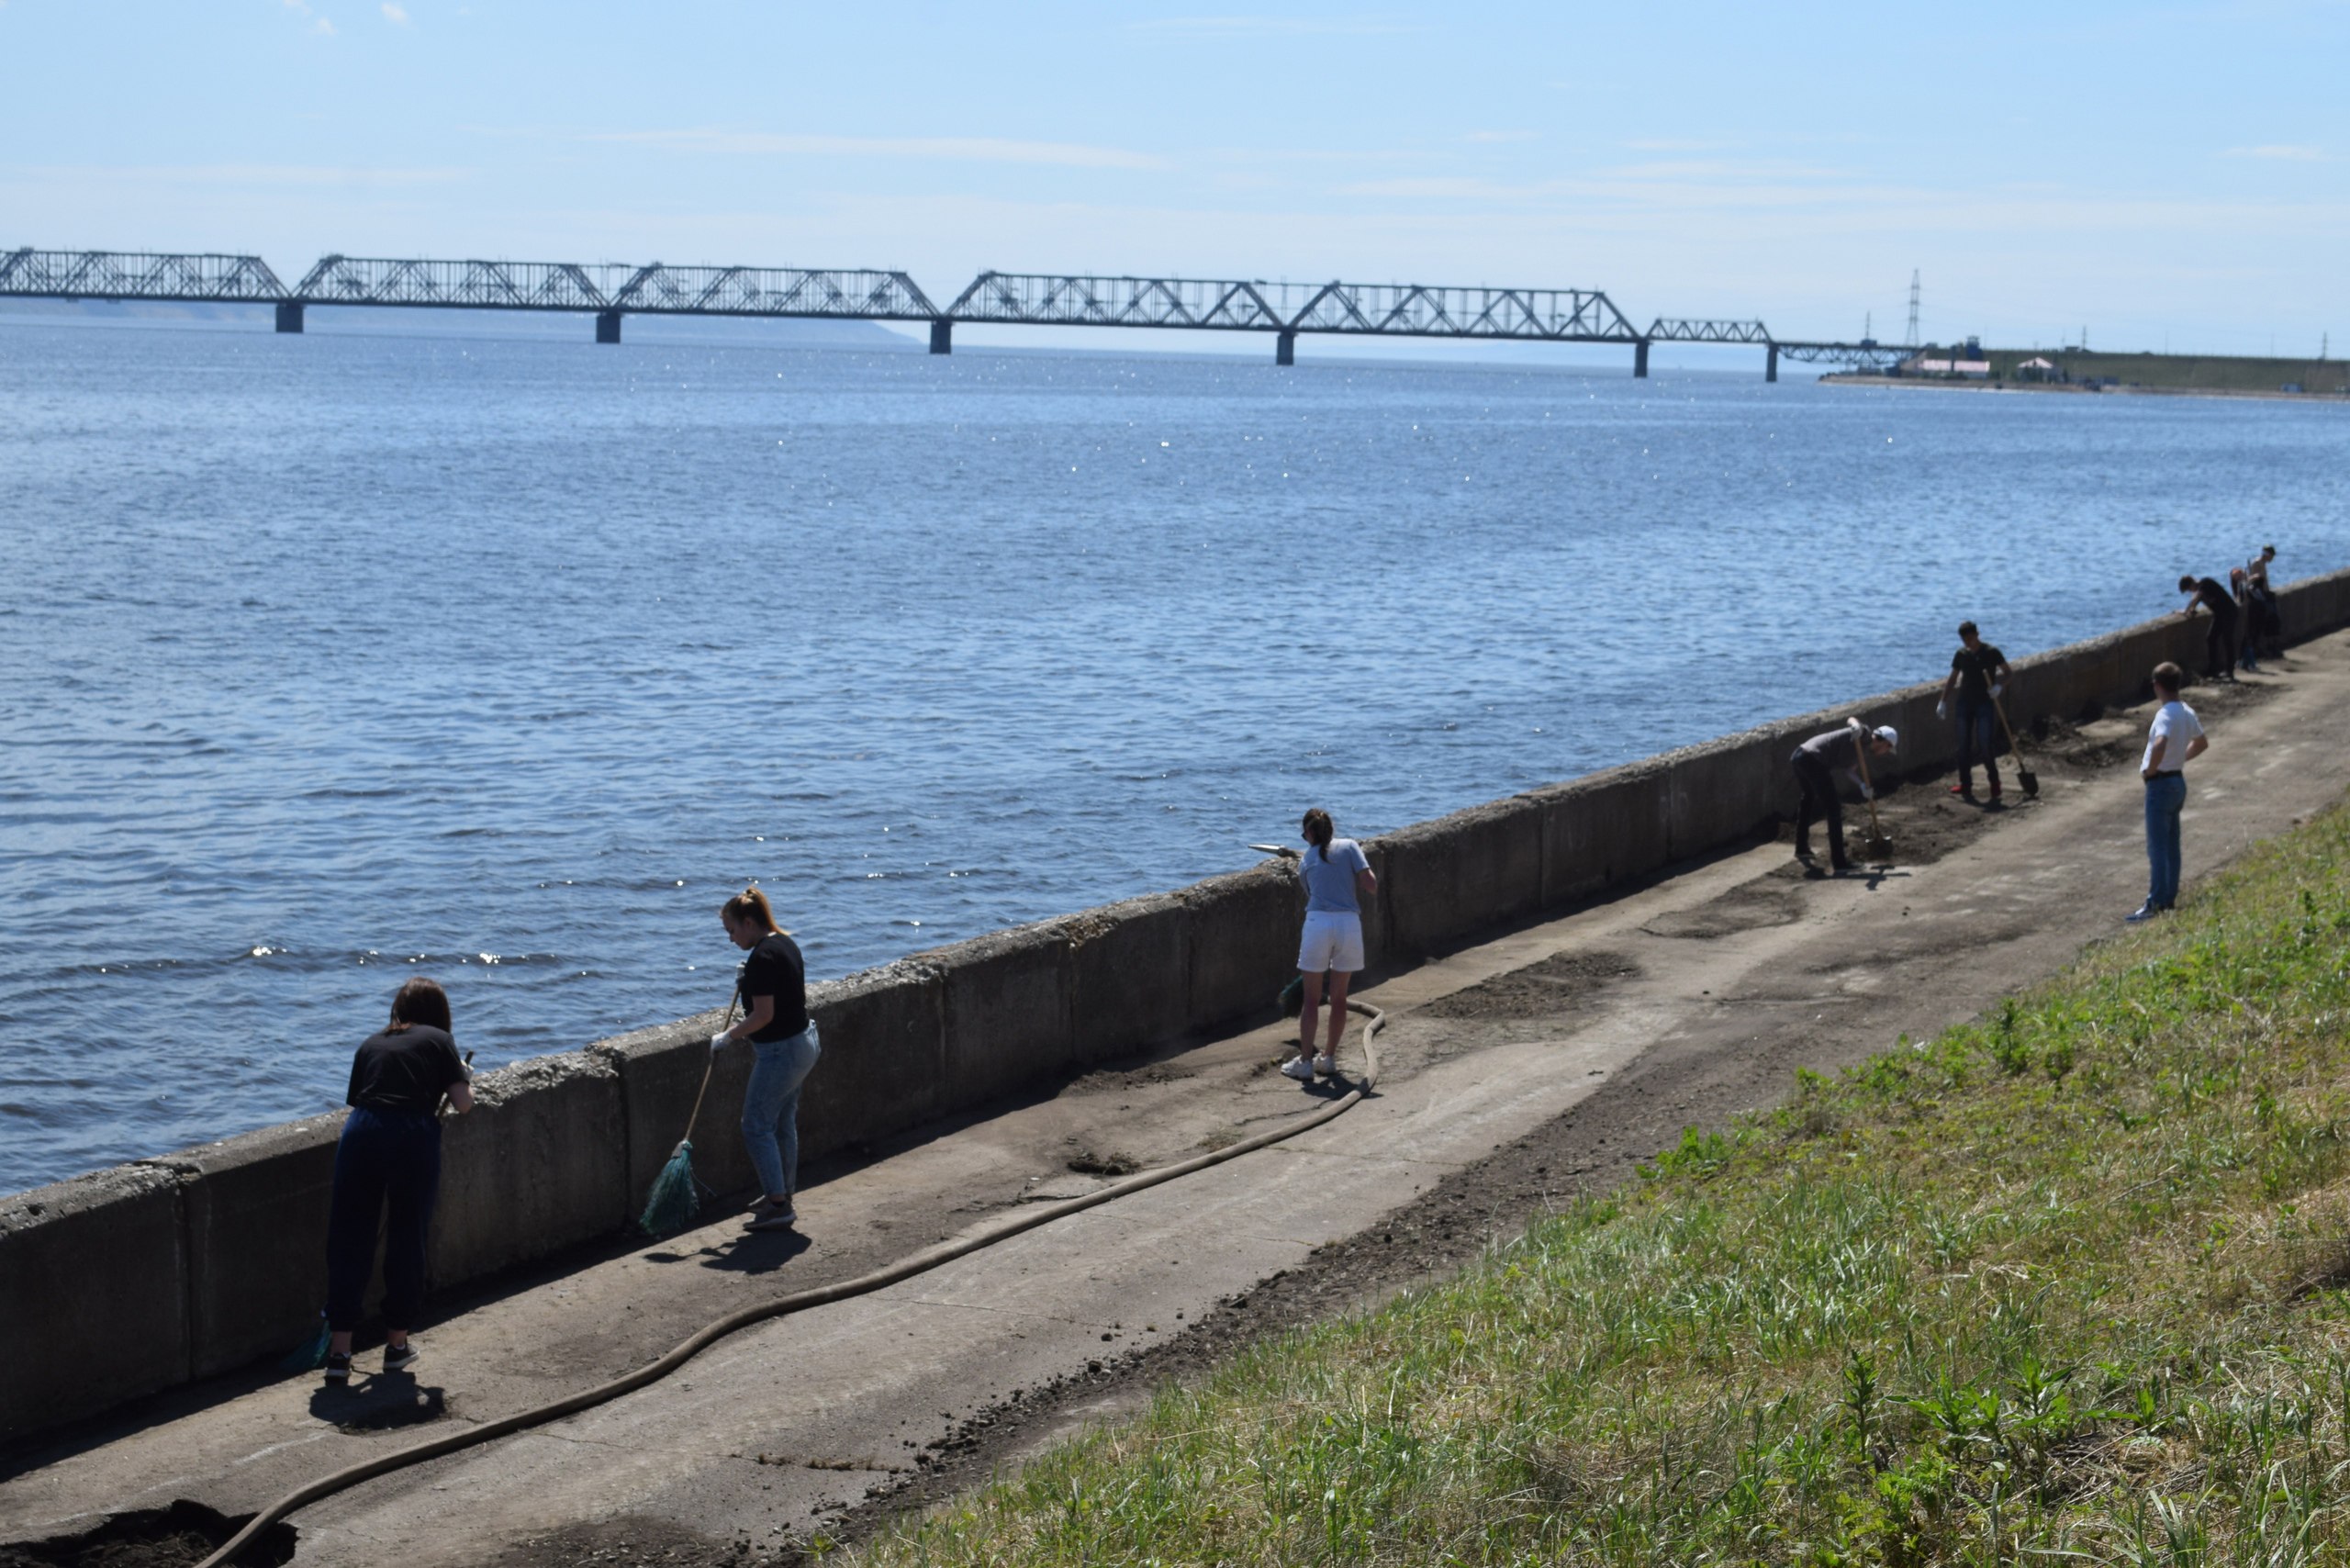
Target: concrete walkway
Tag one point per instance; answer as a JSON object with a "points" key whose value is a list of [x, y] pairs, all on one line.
{"points": [[775, 1429]]}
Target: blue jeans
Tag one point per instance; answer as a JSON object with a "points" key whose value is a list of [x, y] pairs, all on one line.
{"points": [[386, 1160], [1976, 738], [2165, 796], [771, 1110]]}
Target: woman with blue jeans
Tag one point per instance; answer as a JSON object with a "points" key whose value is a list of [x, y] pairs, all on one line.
{"points": [[388, 1171], [774, 989]]}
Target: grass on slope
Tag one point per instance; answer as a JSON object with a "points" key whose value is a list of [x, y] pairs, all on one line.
{"points": [[2067, 1285]]}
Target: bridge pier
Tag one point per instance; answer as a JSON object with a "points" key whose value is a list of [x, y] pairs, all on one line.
{"points": [[942, 335], [1640, 359], [289, 315], [608, 326], [1771, 365], [1285, 349]]}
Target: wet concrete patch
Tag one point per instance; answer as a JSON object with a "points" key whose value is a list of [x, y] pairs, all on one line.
{"points": [[177, 1537], [388, 1403], [1538, 990], [1752, 906], [1109, 1080]]}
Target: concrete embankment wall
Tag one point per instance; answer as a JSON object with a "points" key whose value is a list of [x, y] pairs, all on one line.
{"points": [[154, 1273]]}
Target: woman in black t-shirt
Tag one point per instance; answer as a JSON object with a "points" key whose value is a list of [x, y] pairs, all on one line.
{"points": [[774, 989], [389, 1158]]}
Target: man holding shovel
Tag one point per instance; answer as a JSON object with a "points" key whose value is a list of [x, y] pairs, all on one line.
{"points": [[1819, 763], [1978, 673]]}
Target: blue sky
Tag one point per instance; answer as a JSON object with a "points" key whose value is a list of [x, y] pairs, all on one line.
{"points": [[2160, 175]]}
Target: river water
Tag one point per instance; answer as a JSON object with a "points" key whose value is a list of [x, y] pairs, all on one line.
{"points": [[328, 659]]}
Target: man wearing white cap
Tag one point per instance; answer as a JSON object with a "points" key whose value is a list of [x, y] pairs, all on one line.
{"points": [[1819, 763]]}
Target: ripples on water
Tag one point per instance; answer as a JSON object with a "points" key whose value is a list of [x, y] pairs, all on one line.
{"points": [[328, 659]]}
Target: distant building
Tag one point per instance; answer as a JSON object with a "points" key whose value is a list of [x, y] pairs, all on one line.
{"points": [[1966, 361], [2037, 368]]}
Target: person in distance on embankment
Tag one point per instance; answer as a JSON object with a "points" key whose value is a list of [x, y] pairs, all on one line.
{"points": [[2265, 631], [2248, 619], [1978, 673], [1337, 877], [1817, 762], [2173, 740], [774, 989], [2220, 642], [389, 1158]]}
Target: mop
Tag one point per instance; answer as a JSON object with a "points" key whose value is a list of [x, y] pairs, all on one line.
{"points": [[674, 1200]]}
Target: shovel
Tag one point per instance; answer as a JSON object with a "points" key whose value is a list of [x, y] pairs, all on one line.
{"points": [[1875, 846], [2025, 777]]}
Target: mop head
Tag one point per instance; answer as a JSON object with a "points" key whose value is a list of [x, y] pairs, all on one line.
{"points": [[1293, 998], [673, 1201], [310, 1354]]}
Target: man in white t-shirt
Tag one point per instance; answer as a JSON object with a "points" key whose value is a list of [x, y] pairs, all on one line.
{"points": [[2173, 740]]}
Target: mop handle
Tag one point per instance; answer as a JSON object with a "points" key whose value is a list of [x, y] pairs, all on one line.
{"points": [[710, 1068], [441, 1110]]}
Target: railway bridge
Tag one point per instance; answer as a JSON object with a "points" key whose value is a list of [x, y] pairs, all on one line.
{"points": [[609, 291]]}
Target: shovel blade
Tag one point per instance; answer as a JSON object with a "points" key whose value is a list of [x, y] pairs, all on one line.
{"points": [[2031, 782]]}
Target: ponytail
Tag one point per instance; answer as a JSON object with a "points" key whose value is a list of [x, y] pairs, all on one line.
{"points": [[751, 904], [1319, 831]]}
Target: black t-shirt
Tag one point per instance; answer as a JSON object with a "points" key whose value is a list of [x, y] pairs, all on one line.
{"points": [[1975, 666], [405, 1071], [2219, 601], [775, 969]]}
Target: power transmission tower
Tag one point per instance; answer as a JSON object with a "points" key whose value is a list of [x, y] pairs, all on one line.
{"points": [[1913, 307]]}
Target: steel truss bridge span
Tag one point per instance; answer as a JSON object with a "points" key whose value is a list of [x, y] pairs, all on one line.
{"points": [[609, 291]]}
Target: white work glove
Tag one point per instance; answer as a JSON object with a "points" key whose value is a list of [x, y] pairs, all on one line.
{"points": [[1998, 688], [1941, 709], [1867, 793], [715, 1041]]}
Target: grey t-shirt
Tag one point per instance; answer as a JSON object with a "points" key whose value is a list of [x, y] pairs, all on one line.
{"points": [[1330, 877]]}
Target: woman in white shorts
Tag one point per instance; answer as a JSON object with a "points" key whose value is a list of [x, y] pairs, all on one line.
{"points": [[1337, 878]]}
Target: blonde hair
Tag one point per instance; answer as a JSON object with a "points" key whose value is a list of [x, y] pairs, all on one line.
{"points": [[751, 904]]}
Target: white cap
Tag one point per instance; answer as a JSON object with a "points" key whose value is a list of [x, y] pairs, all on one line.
{"points": [[1889, 736]]}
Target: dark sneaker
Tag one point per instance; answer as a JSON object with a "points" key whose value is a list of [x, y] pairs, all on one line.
{"points": [[399, 1358], [770, 1218], [1840, 867], [338, 1369], [2144, 912]]}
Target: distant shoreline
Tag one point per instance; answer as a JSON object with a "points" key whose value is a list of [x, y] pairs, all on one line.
{"points": [[1855, 378]]}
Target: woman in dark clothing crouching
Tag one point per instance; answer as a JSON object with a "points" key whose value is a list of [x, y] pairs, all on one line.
{"points": [[389, 1158], [775, 1003]]}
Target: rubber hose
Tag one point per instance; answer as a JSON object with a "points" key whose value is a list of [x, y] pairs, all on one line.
{"points": [[799, 1301]]}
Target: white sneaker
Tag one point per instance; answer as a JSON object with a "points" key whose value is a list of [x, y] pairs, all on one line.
{"points": [[1300, 1067], [1326, 1065]]}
